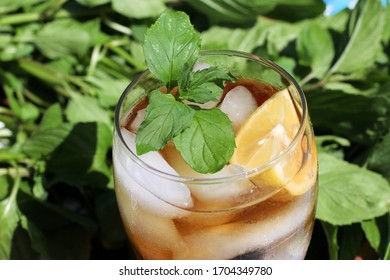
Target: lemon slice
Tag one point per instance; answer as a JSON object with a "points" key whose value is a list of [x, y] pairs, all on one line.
{"points": [[306, 177], [264, 136]]}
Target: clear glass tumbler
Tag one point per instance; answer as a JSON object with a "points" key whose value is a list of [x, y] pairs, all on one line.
{"points": [[263, 209]]}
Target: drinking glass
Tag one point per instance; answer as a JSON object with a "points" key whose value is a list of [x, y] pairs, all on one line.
{"points": [[262, 212]]}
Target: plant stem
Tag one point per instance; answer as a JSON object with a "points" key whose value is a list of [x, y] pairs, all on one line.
{"points": [[23, 172], [21, 18], [331, 237], [315, 86], [306, 79], [119, 51], [11, 156]]}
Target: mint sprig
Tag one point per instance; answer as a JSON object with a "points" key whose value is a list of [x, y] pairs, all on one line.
{"points": [[205, 138], [208, 144], [165, 118], [202, 86], [169, 43]]}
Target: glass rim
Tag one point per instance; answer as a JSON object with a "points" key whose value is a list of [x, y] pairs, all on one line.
{"points": [[237, 176]]}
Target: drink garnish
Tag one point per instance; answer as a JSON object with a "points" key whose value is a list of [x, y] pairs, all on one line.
{"points": [[204, 137]]}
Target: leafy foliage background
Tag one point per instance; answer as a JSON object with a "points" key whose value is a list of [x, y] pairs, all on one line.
{"points": [[64, 63]]}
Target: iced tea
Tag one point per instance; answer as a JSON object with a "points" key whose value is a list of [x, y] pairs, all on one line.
{"points": [[261, 205]]}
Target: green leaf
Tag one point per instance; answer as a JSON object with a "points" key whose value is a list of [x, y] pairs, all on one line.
{"points": [[9, 219], [139, 9], [350, 89], [332, 145], [331, 233], [355, 117], [315, 49], [37, 237], [235, 11], [93, 3], [292, 10], [14, 51], [165, 118], [364, 33], [29, 112], [203, 93], [210, 74], [386, 29], [279, 37], [108, 89], [372, 233], [241, 39], [200, 86], [52, 117], [86, 109], [49, 135], [184, 79], [61, 38], [335, 22], [6, 187], [379, 159], [44, 141], [84, 149], [169, 43], [243, 11], [11, 5], [349, 193], [208, 144]]}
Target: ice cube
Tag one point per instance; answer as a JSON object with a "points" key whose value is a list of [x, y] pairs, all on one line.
{"points": [[201, 219], [148, 184], [224, 193], [255, 233], [238, 104], [139, 118], [293, 248], [132, 195], [153, 233]]}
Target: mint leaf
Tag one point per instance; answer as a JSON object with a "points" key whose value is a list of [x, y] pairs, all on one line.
{"points": [[204, 138], [44, 141], [315, 49], [61, 38], [86, 109], [9, 217], [208, 143], [349, 193], [379, 160], [372, 233], [364, 33], [84, 148], [209, 75], [201, 86], [52, 117], [203, 93], [331, 233], [184, 79], [139, 9], [165, 118], [170, 43]]}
